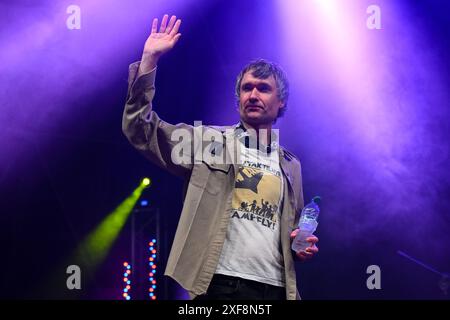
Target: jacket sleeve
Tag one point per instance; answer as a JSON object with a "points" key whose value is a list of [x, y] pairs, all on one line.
{"points": [[153, 137]]}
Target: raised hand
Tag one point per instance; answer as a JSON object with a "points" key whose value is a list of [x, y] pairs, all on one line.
{"points": [[160, 41]]}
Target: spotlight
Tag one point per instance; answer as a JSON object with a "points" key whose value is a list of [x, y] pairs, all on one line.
{"points": [[152, 265], [127, 285], [146, 182]]}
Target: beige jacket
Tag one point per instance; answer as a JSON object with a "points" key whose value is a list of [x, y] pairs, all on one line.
{"points": [[203, 222]]}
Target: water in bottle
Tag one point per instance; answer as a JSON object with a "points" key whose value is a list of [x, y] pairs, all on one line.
{"points": [[307, 225]]}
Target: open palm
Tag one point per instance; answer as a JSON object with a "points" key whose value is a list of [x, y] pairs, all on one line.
{"points": [[159, 42]]}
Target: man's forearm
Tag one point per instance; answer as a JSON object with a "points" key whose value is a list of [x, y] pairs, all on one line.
{"points": [[148, 63]]}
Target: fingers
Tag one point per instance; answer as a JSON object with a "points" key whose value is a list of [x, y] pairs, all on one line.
{"points": [[294, 233], [312, 239], [308, 253], [174, 31], [312, 250], [171, 23], [303, 255], [170, 27], [154, 25], [177, 36], [162, 28]]}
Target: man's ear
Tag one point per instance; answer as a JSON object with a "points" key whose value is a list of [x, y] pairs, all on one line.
{"points": [[280, 109]]}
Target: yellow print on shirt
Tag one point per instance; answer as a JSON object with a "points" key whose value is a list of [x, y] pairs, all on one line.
{"points": [[258, 192]]}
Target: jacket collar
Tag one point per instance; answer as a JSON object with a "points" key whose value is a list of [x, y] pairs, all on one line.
{"points": [[285, 157], [242, 134]]}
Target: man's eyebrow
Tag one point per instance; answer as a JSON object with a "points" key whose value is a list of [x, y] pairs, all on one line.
{"points": [[260, 82]]}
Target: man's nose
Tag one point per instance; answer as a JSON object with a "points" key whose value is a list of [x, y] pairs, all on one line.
{"points": [[254, 94]]}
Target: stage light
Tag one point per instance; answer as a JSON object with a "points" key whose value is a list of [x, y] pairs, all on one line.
{"points": [[152, 266], [146, 182], [127, 281], [144, 203], [97, 244]]}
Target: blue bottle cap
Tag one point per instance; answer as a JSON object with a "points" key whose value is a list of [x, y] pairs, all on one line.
{"points": [[316, 199]]}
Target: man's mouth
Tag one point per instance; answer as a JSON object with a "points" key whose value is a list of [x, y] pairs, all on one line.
{"points": [[253, 107]]}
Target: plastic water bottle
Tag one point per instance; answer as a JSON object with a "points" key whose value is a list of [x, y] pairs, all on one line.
{"points": [[307, 225]]}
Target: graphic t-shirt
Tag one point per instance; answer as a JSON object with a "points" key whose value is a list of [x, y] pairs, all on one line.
{"points": [[252, 248]]}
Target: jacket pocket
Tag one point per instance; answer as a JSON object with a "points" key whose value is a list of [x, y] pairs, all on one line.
{"points": [[225, 168], [211, 177]]}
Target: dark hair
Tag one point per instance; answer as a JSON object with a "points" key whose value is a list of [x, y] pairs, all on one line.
{"points": [[263, 69]]}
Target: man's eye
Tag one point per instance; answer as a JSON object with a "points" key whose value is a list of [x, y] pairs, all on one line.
{"points": [[246, 88], [264, 87]]}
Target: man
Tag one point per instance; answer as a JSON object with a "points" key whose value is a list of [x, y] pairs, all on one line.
{"points": [[235, 230]]}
